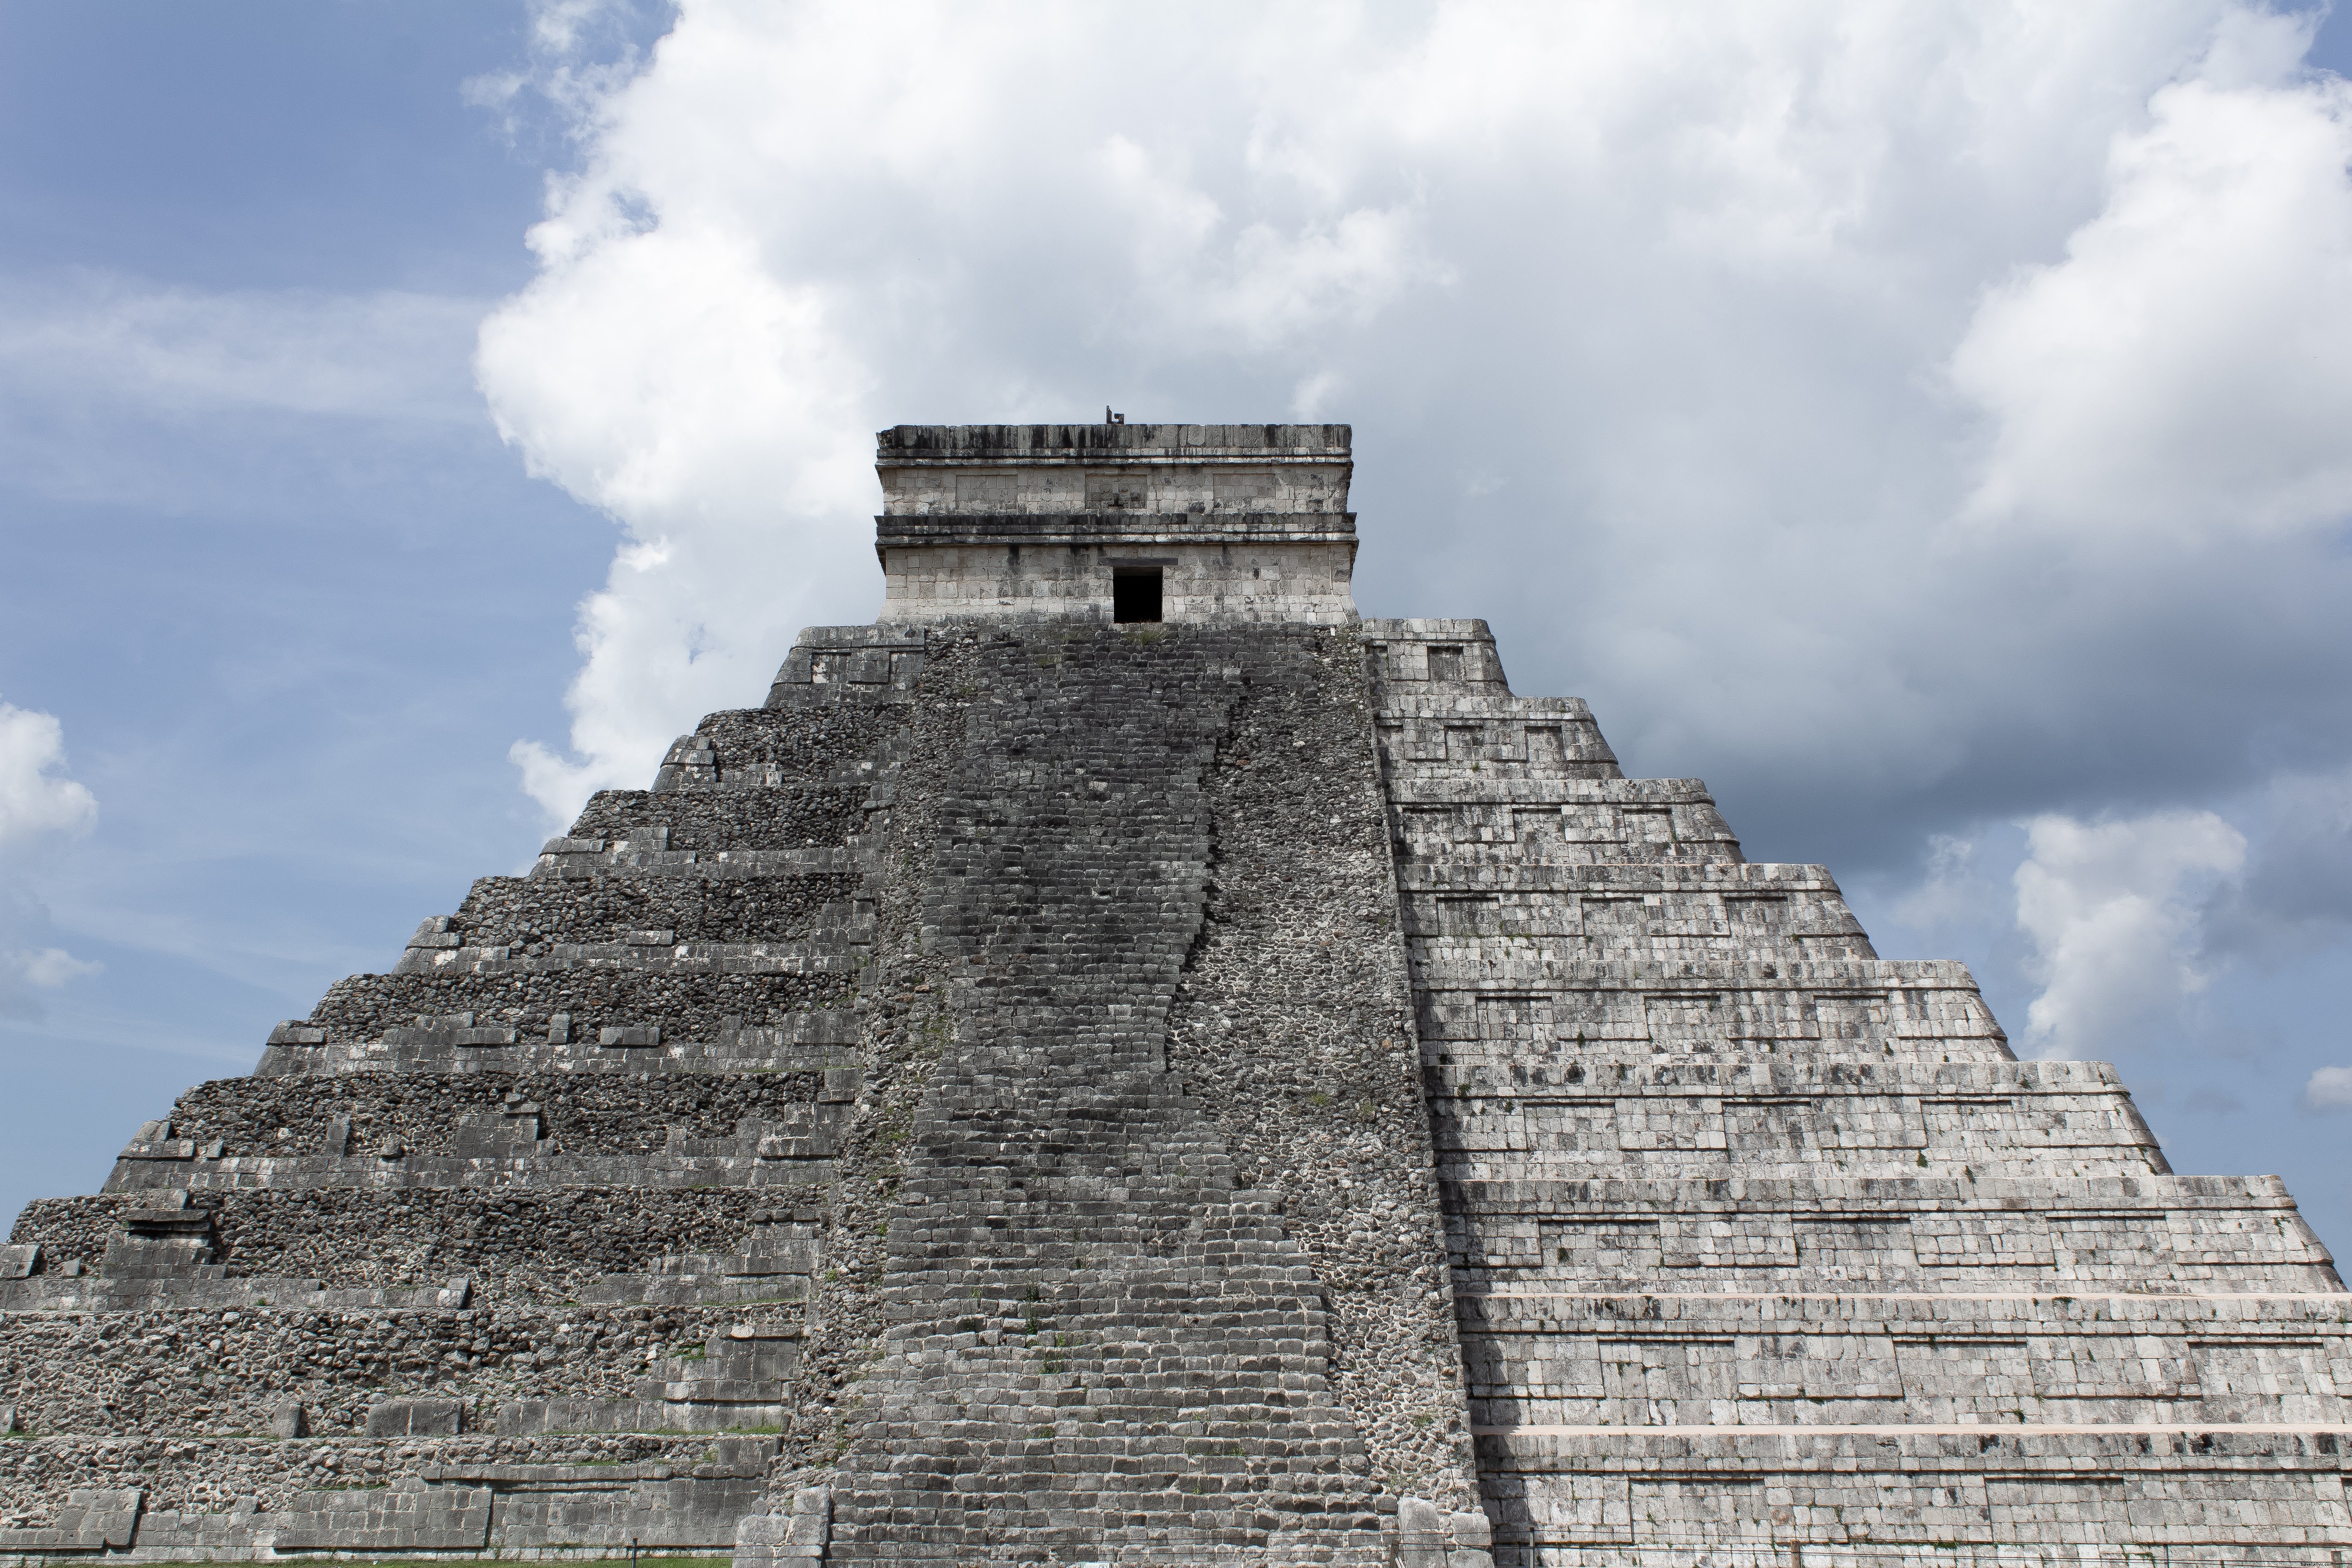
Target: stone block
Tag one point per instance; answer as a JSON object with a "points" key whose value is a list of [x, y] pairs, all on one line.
{"points": [[428, 1518], [416, 1417]]}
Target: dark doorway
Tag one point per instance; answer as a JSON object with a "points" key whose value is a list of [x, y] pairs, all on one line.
{"points": [[1135, 593]]}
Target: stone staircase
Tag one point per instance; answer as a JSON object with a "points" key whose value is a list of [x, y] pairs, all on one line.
{"points": [[1101, 1345]]}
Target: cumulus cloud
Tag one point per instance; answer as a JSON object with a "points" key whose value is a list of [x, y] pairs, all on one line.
{"points": [[2111, 907], [45, 969], [36, 797], [39, 806], [2330, 1089], [2126, 390], [1926, 406]]}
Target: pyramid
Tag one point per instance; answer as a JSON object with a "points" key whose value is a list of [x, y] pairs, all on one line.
{"points": [[1125, 1060]]}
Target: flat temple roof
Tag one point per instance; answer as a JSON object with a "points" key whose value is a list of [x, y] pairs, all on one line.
{"points": [[922, 444]]}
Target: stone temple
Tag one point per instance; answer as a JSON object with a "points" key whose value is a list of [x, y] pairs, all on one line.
{"points": [[1126, 1062]]}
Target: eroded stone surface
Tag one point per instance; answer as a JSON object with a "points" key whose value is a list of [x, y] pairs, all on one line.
{"points": [[1246, 1089]]}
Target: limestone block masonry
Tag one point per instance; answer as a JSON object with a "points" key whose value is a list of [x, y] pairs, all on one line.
{"points": [[1056, 1086]]}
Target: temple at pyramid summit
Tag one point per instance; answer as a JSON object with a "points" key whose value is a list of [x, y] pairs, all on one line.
{"points": [[1125, 1060]]}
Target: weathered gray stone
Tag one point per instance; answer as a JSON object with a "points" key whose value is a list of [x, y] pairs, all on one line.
{"points": [[1242, 1088]]}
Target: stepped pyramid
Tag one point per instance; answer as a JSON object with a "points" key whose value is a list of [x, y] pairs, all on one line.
{"points": [[1124, 1061]]}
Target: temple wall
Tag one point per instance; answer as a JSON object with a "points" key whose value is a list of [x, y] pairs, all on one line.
{"points": [[1303, 583]]}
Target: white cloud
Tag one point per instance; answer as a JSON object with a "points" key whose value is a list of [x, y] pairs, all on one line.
{"points": [[39, 806], [37, 799], [24, 972], [48, 968], [2111, 909], [714, 413], [1924, 405], [2330, 1089], [2180, 370]]}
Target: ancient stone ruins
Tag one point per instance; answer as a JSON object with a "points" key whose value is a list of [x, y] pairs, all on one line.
{"points": [[1124, 1061]]}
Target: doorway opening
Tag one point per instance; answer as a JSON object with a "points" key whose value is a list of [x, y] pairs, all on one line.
{"points": [[1135, 593]]}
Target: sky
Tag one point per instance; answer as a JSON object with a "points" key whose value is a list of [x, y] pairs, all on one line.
{"points": [[1929, 424]]}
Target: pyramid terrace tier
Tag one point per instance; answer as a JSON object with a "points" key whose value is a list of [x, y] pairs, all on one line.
{"points": [[1635, 1118], [1907, 1497], [777, 748], [523, 1368], [575, 918], [1562, 821], [1462, 737], [1433, 658], [1871, 1361], [1658, 911], [803, 1040], [254, 1497], [584, 1113], [650, 855], [836, 944], [530, 1003], [1531, 1002], [622, 828], [2159, 1235], [878, 666], [416, 1248], [497, 1130]]}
